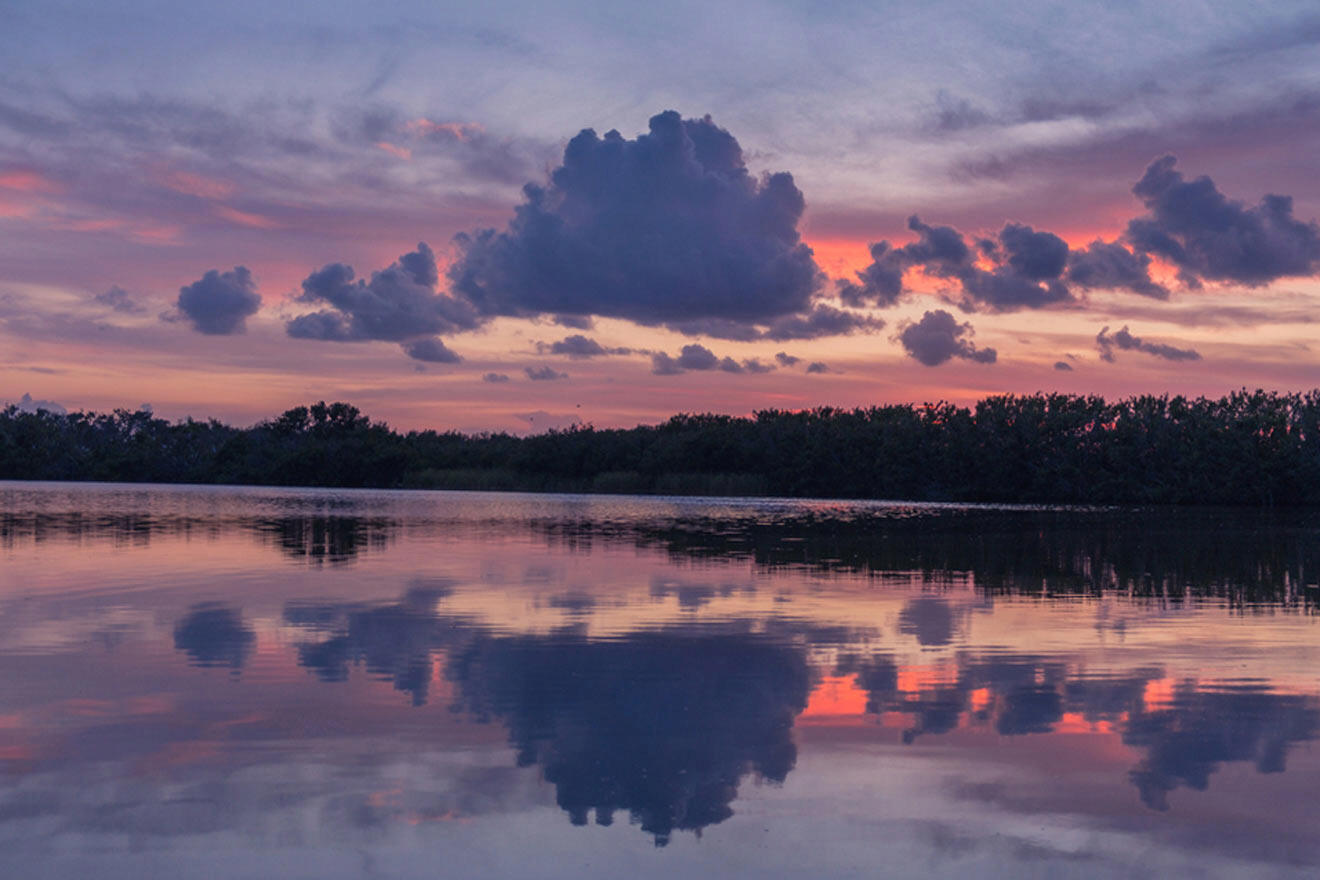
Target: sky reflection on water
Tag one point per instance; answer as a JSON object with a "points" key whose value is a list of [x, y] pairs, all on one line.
{"points": [[335, 683]]}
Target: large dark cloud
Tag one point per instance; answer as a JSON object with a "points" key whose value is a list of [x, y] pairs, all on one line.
{"points": [[1212, 238], [219, 303], [938, 337], [399, 303], [666, 228], [1124, 340]]}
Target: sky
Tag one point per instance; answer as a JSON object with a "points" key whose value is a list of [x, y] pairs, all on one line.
{"points": [[526, 215]]}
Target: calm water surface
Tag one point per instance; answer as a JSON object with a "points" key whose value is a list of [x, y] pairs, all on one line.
{"points": [[225, 682]]}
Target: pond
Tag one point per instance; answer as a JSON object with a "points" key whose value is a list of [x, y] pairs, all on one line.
{"points": [[255, 682]]}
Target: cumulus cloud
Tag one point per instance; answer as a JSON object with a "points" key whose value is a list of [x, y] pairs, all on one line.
{"points": [[661, 229], [818, 367], [494, 377], [27, 405], [821, 321], [938, 337], [1210, 237], [219, 303], [941, 250], [785, 359], [431, 350], [1189, 223], [399, 303], [543, 374], [120, 300], [579, 346], [1026, 268], [1063, 366], [1125, 341], [1111, 266], [699, 358]]}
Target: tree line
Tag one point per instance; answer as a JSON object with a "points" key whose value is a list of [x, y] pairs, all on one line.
{"points": [[1246, 448]]}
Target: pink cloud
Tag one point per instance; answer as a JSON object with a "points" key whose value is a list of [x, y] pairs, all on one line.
{"points": [[245, 218], [459, 131], [394, 150], [191, 184], [27, 181]]}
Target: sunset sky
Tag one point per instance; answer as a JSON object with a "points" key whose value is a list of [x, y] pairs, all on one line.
{"points": [[514, 216]]}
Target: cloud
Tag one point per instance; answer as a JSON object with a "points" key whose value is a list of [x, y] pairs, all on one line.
{"points": [[431, 350], [821, 321], [220, 303], [939, 249], [818, 367], [1063, 366], [1127, 342], [1027, 268], [938, 337], [665, 228], [1111, 266], [699, 358], [398, 303], [579, 346], [785, 359], [1212, 238], [494, 377], [543, 374], [27, 405], [214, 635], [120, 300], [474, 152], [1189, 223]]}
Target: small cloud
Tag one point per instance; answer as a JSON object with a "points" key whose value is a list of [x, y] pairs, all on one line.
{"points": [[431, 350], [818, 367], [579, 346], [938, 337], [785, 359], [399, 303], [1125, 341], [219, 303], [699, 358], [120, 300], [494, 377], [543, 374], [1063, 366], [27, 405]]}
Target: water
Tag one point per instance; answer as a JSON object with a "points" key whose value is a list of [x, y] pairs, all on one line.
{"points": [[235, 682]]}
